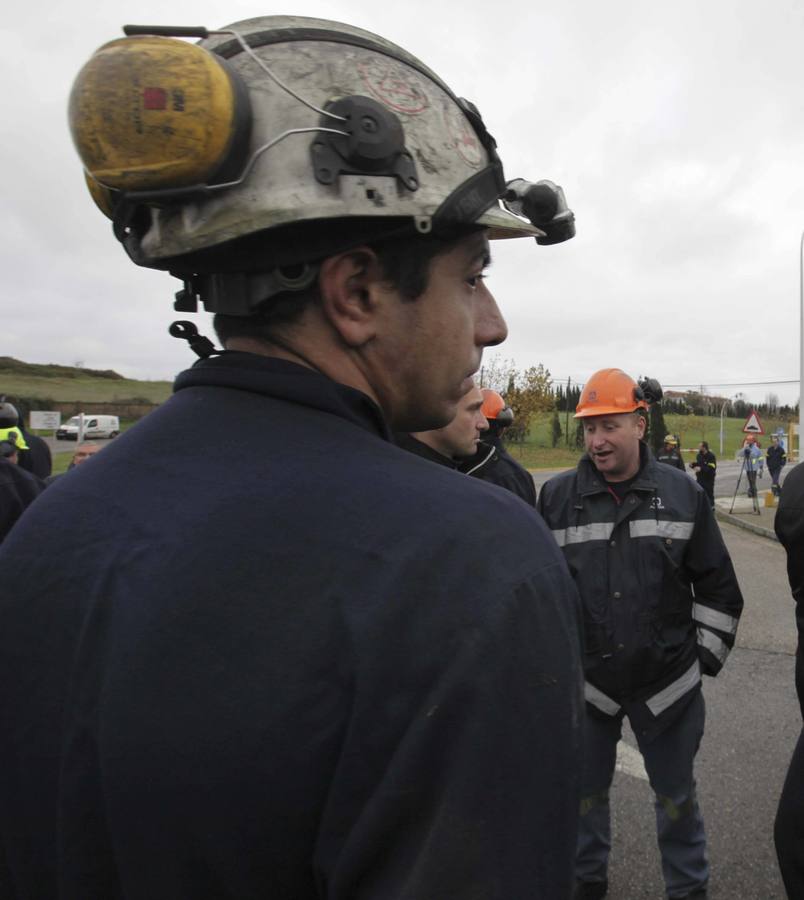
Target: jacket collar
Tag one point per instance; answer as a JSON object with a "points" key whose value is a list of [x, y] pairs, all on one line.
{"points": [[284, 380], [590, 481], [419, 448]]}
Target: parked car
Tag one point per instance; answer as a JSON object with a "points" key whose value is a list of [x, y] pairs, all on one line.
{"points": [[94, 427]]}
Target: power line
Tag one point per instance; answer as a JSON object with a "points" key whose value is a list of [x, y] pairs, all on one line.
{"points": [[697, 384], [733, 383]]}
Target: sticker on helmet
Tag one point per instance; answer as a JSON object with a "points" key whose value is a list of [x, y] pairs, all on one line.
{"points": [[396, 87], [463, 135]]}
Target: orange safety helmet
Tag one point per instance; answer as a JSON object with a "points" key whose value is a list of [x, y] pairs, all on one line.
{"points": [[495, 409], [610, 392]]}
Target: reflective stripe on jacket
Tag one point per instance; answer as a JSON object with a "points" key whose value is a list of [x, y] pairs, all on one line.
{"points": [[660, 597]]}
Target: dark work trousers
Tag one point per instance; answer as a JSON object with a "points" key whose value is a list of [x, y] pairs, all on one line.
{"points": [[752, 483], [708, 485], [774, 474], [788, 830], [679, 824]]}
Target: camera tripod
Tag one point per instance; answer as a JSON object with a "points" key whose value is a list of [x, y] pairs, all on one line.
{"points": [[752, 485]]}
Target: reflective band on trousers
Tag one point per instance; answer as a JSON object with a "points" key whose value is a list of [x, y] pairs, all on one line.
{"points": [[705, 615], [579, 534], [658, 703], [718, 648], [598, 699], [679, 531]]}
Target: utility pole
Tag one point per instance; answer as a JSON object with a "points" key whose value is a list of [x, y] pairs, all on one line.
{"points": [[566, 426], [801, 343]]}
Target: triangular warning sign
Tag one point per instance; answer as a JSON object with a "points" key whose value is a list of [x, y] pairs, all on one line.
{"points": [[753, 425]]}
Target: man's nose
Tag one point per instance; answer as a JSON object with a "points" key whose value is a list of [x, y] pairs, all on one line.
{"points": [[490, 327]]}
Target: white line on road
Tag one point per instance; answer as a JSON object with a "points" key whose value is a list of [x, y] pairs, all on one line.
{"points": [[629, 761]]}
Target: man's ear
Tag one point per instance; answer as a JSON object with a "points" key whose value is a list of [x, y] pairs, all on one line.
{"points": [[642, 425], [350, 284]]}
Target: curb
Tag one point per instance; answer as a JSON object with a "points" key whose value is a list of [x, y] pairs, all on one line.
{"points": [[748, 526]]}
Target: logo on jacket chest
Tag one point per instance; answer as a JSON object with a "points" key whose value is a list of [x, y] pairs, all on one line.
{"points": [[656, 503]]}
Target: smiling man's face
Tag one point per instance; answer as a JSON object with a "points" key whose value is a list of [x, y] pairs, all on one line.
{"points": [[612, 443]]}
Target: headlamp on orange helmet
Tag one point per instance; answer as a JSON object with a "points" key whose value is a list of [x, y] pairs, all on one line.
{"points": [[495, 410]]}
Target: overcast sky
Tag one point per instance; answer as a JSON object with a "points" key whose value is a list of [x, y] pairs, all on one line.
{"points": [[676, 130]]}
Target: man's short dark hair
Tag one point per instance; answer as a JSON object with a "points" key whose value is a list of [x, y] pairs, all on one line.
{"points": [[406, 267]]}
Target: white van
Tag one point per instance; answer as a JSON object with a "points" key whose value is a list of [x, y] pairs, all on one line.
{"points": [[94, 427]]}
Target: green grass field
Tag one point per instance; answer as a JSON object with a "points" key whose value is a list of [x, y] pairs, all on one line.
{"points": [[72, 384], [88, 389]]}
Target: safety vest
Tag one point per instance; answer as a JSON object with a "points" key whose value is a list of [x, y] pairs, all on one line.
{"points": [[14, 435]]}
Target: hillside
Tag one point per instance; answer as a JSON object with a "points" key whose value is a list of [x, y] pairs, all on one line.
{"points": [[69, 383]]}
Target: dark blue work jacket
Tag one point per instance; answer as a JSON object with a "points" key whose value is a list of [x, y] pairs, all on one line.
{"points": [[493, 463], [661, 600], [255, 650]]}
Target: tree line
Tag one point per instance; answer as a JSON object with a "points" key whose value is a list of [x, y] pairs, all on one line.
{"points": [[532, 390]]}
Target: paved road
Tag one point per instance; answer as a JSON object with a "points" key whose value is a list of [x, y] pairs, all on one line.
{"points": [[67, 446]]}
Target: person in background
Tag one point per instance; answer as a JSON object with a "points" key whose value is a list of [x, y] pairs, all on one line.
{"points": [[669, 453], [776, 459], [10, 451], [18, 489], [455, 441], [492, 462], [83, 452], [661, 606], [789, 826], [705, 467], [751, 458]]}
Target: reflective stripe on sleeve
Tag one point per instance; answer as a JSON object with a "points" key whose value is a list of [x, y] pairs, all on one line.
{"points": [[680, 531], [705, 615], [711, 642], [668, 696], [580, 534], [598, 699]]}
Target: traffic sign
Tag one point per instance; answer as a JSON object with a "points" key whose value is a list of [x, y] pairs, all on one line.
{"points": [[45, 421], [753, 425]]}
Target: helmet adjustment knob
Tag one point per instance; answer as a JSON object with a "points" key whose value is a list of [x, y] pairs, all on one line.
{"points": [[372, 143]]}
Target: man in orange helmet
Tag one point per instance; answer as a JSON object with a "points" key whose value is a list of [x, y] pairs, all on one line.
{"points": [[661, 606], [492, 462]]}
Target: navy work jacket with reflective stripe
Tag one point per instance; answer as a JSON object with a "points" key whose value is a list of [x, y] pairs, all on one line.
{"points": [[661, 600]]}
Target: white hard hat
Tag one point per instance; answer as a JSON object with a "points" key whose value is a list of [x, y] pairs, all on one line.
{"points": [[303, 137]]}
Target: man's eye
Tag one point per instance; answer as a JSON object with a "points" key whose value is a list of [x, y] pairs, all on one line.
{"points": [[475, 280]]}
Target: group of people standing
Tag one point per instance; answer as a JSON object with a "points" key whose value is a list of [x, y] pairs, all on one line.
{"points": [[297, 661], [26, 465]]}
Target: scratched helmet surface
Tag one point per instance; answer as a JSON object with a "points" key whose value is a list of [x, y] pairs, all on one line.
{"points": [[308, 123]]}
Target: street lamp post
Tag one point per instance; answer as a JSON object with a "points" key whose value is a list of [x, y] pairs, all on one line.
{"points": [[722, 410], [800, 342]]}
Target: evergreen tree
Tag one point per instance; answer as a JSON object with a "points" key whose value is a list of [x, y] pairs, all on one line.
{"points": [[556, 428]]}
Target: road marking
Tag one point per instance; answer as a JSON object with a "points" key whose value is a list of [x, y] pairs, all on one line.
{"points": [[629, 761]]}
